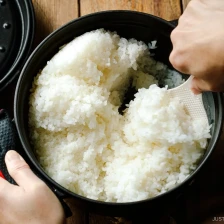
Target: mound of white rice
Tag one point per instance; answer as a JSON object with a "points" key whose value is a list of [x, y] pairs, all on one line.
{"points": [[83, 142]]}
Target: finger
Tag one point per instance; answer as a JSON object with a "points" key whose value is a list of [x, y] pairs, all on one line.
{"points": [[177, 56], [20, 170], [198, 86], [178, 62]]}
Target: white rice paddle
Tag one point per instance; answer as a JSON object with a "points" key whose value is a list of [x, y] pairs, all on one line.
{"points": [[193, 103]]}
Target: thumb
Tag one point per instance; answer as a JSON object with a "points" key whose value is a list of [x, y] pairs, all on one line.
{"points": [[199, 85], [19, 170]]}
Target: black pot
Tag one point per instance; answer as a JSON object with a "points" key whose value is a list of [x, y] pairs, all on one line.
{"points": [[17, 26], [128, 24]]}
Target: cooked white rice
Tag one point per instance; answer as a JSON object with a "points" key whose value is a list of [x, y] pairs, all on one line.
{"points": [[83, 142]]}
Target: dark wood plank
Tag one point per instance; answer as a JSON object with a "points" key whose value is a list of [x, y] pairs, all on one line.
{"points": [[78, 216], [99, 219], [51, 14], [167, 9]]}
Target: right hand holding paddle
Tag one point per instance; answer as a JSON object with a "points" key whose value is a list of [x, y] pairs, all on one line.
{"points": [[198, 45]]}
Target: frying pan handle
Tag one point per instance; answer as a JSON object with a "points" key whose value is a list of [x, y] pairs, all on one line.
{"points": [[9, 140]]}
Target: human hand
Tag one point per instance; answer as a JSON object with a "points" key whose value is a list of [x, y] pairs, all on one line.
{"points": [[31, 201], [198, 45]]}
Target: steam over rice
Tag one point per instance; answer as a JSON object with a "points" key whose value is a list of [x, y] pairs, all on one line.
{"points": [[87, 146]]}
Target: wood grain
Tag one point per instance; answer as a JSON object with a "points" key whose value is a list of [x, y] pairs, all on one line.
{"points": [[167, 9], [78, 216], [51, 14], [184, 3]]}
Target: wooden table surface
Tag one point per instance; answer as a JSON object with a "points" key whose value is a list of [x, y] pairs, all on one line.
{"points": [[206, 198]]}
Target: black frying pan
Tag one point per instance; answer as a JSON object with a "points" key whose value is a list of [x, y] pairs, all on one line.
{"points": [[127, 24]]}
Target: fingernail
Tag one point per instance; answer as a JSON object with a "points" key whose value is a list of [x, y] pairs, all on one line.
{"points": [[13, 156]]}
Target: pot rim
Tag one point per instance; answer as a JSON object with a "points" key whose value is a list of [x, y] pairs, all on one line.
{"points": [[67, 192]]}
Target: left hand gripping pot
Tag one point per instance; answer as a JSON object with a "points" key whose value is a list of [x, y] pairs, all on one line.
{"points": [[9, 140]]}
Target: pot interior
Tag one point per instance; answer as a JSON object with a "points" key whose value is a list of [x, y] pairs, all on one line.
{"points": [[127, 24]]}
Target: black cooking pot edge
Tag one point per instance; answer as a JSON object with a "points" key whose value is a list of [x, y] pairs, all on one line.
{"points": [[105, 207]]}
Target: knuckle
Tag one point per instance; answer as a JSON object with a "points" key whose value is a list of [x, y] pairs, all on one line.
{"points": [[18, 167], [177, 37], [181, 18], [177, 61], [171, 57], [172, 35]]}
